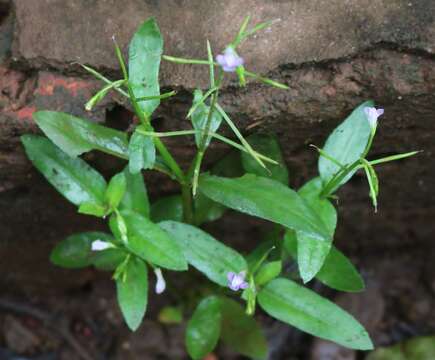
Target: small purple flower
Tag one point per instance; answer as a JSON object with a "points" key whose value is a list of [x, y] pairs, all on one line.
{"points": [[229, 60], [237, 281], [372, 115]]}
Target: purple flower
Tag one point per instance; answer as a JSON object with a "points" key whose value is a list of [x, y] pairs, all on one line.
{"points": [[229, 60], [237, 281], [372, 115]]}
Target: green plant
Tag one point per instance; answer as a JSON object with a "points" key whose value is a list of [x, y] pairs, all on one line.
{"points": [[166, 234]]}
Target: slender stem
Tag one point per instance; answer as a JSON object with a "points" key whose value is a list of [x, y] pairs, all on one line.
{"points": [[169, 160], [374, 189], [160, 146], [393, 158], [213, 135], [144, 118], [103, 78], [160, 97], [203, 144], [200, 101], [337, 179], [186, 61], [239, 135], [187, 202], [369, 143], [267, 80], [328, 157]]}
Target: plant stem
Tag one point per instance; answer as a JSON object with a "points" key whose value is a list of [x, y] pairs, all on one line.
{"points": [[160, 146], [239, 135], [169, 160], [330, 187], [187, 203], [210, 133], [203, 145]]}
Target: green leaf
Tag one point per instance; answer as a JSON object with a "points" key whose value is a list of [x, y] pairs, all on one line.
{"points": [[267, 272], [136, 196], [337, 271], [268, 146], [310, 193], [167, 208], [75, 251], [72, 177], [311, 255], [267, 199], [76, 136], [108, 259], [240, 331], [141, 152], [298, 306], [144, 54], [312, 252], [346, 143], [151, 243], [203, 329], [91, 208], [204, 252], [116, 190], [118, 227], [200, 116], [132, 291]]}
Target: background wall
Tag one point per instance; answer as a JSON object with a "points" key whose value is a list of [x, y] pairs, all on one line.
{"points": [[332, 53]]}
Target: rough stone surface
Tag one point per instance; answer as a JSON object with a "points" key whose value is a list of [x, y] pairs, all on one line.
{"points": [[304, 31]]}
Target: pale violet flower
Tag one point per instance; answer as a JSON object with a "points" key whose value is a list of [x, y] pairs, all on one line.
{"points": [[160, 282], [229, 60], [372, 115], [99, 245], [237, 281]]}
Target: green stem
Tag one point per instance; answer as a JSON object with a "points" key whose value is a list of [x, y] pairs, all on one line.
{"points": [[160, 146], [169, 160], [160, 97], [179, 60], [393, 157], [103, 78], [328, 157], [144, 119], [187, 203], [213, 135], [337, 179], [203, 144], [239, 135]]}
